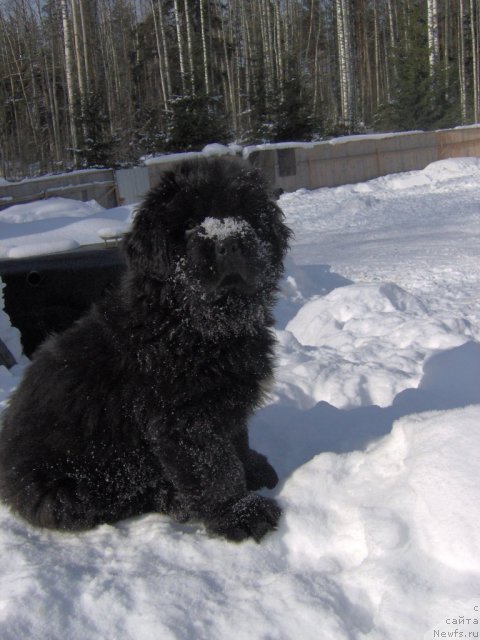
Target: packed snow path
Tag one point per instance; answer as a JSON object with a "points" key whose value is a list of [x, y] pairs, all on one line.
{"points": [[373, 426]]}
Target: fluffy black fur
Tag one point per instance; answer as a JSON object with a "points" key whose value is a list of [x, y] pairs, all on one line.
{"points": [[143, 404]]}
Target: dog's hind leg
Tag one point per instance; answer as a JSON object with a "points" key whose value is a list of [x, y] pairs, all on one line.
{"points": [[52, 504], [58, 501]]}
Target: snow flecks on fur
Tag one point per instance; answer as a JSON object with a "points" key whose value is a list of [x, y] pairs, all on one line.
{"points": [[230, 315], [222, 228]]}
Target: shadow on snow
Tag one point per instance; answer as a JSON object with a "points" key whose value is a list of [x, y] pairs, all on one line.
{"points": [[290, 437]]}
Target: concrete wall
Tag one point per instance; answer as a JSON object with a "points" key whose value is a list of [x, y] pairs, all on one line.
{"points": [[132, 184], [90, 184], [359, 158]]}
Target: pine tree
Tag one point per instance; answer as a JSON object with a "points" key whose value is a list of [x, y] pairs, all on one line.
{"points": [[418, 96], [292, 120], [98, 145], [194, 121]]}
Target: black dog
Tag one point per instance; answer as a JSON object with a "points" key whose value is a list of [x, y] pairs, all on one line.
{"points": [[142, 405]]}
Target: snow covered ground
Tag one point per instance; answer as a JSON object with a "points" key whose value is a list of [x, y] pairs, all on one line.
{"points": [[373, 426]]}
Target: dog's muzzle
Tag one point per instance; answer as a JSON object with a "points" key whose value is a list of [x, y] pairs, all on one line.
{"points": [[231, 264], [228, 247]]}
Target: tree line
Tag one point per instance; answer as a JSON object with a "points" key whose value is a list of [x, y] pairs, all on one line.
{"points": [[103, 82]]}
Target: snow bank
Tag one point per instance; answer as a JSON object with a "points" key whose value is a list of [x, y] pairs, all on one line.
{"points": [[57, 224], [368, 342], [214, 149], [452, 168], [49, 208], [441, 171], [394, 528], [41, 248]]}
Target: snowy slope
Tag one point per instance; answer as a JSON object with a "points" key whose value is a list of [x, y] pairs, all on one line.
{"points": [[373, 426]]}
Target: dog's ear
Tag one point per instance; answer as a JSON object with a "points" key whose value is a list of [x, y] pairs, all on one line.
{"points": [[258, 195], [146, 246]]}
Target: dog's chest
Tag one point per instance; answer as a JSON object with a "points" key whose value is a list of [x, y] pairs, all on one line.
{"points": [[234, 370]]}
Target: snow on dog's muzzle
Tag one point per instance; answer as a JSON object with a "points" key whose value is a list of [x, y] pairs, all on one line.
{"points": [[235, 244]]}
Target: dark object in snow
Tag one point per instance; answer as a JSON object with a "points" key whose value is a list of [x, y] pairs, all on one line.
{"points": [[46, 294], [143, 404]]}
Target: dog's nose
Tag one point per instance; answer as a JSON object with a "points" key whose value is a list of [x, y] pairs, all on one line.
{"points": [[227, 248]]}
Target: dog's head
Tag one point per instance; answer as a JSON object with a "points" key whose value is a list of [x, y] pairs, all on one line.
{"points": [[213, 235]]}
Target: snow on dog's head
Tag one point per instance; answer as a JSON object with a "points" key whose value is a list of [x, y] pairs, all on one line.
{"points": [[222, 228]]}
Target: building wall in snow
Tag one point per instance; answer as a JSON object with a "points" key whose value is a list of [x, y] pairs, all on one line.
{"points": [[353, 159]]}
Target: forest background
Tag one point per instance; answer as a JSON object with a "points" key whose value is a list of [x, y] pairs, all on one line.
{"points": [[105, 82]]}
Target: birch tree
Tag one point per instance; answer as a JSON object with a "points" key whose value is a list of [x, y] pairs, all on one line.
{"points": [[69, 75], [433, 36], [181, 57], [189, 46], [345, 63], [461, 61], [79, 61], [158, 42], [203, 33], [475, 62]]}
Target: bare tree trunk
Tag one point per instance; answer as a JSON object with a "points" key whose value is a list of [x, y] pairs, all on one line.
{"points": [[20, 77], [49, 80], [181, 59], [159, 53], [86, 48], [461, 61], [345, 61], [10, 74], [247, 52], [204, 47], [166, 58], [109, 61], [433, 36], [267, 48], [69, 77], [316, 72], [475, 64], [393, 43], [278, 51], [79, 63], [230, 85], [189, 47], [376, 41]]}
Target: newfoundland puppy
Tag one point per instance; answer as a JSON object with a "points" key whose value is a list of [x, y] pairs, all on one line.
{"points": [[142, 405]]}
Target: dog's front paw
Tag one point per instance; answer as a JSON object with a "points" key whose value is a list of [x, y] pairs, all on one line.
{"points": [[251, 517], [259, 472]]}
